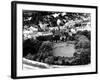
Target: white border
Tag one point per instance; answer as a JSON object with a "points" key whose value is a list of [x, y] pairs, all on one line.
{"points": [[72, 69]]}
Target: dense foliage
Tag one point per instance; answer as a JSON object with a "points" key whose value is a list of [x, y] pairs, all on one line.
{"points": [[31, 46]]}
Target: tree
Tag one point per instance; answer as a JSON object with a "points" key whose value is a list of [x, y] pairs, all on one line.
{"points": [[36, 17], [46, 49]]}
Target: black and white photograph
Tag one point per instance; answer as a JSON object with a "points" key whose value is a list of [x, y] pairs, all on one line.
{"points": [[54, 39]]}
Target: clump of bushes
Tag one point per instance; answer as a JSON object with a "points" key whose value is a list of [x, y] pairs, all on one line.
{"points": [[46, 49], [83, 49], [49, 60], [82, 42], [31, 46], [58, 60]]}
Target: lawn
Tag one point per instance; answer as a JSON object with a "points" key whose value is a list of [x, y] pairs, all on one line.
{"points": [[64, 49]]}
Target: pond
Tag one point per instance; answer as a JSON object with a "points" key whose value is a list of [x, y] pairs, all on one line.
{"points": [[64, 49]]}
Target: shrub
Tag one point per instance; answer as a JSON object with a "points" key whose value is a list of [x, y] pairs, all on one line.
{"points": [[59, 62], [31, 46], [46, 49], [49, 60], [81, 42], [30, 56], [84, 58], [85, 33]]}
